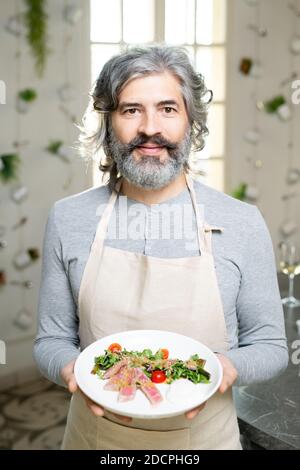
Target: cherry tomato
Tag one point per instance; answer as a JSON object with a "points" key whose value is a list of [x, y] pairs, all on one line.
{"points": [[115, 347], [165, 353], [158, 376]]}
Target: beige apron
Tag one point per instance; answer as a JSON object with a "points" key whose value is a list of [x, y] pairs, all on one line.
{"points": [[122, 290]]}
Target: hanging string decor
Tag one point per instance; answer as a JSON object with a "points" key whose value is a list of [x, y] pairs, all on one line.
{"points": [[251, 67], [277, 105], [9, 166], [26, 257], [2, 278], [25, 98], [58, 148], [35, 20], [288, 226], [72, 13], [19, 194]]}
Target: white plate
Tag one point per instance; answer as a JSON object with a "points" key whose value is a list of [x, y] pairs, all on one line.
{"points": [[179, 346]]}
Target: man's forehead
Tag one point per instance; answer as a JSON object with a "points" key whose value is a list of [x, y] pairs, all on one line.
{"points": [[154, 88]]}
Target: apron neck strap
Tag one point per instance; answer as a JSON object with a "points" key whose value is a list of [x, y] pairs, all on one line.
{"points": [[203, 241], [104, 220], [204, 230]]}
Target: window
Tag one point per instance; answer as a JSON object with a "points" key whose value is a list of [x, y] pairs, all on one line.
{"points": [[199, 25]]}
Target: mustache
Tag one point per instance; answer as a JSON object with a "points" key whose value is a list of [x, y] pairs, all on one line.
{"points": [[142, 139]]}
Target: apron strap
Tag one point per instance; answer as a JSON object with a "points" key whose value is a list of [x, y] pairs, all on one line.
{"points": [[103, 224], [209, 229], [204, 230]]}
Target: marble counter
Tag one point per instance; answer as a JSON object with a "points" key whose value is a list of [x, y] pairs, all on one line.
{"points": [[269, 414]]}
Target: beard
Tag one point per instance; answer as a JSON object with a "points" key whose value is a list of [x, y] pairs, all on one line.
{"points": [[148, 172]]}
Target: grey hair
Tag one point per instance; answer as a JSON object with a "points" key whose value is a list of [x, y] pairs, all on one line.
{"points": [[138, 62]]}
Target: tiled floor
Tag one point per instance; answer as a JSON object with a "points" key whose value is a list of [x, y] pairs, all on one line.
{"points": [[33, 416]]}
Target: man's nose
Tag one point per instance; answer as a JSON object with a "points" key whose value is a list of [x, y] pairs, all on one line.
{"points": [[150, 124]]}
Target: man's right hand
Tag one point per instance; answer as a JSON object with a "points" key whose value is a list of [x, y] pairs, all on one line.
{"points": [[67, 375]]}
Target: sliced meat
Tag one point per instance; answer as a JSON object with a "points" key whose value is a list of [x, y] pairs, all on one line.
{"points": [[147, 387], [114, 369], [120, 379], [127, 393], [113, 384]]}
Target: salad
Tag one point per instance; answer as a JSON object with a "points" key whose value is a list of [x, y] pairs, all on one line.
{"points": [[127, 371]]}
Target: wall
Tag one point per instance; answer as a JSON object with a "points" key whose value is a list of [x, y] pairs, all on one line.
{"points": [[44, 174], [273, 151]]}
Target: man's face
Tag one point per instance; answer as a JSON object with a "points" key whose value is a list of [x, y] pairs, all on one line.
{"points": [[149, 133]]}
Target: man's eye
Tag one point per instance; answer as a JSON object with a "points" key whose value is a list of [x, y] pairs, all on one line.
{"points": [[130, 111], [169, 110]]}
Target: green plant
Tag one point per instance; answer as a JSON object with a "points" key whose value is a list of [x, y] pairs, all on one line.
{"points": [[272, 105], [28, 95], [54, 146], [35, 19], [11, 162], [240, 192]]}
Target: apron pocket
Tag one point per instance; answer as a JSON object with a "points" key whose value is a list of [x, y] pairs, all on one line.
{"points": [[114, 436]]}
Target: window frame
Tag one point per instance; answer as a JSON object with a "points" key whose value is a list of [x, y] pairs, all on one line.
{"points": [[159, 37]]}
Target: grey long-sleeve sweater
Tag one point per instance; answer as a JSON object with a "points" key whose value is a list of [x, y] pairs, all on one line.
{"points": [[244, 262]]}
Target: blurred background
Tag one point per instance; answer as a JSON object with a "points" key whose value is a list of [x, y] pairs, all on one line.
{"points": [[51, 52]]}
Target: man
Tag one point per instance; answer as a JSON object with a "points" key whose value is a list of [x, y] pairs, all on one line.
{"points": [[216, 283]]}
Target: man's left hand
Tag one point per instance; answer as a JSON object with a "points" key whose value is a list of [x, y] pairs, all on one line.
{"points": [[229, 377]]}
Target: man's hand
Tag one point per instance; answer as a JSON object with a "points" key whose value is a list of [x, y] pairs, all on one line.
{"points": [[229, 373], [67, 374], [229, 377]]}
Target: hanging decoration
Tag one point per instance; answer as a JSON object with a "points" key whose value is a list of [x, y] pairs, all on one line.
{"points": [[15, 25], [26, 257], [25, 98], [58, 148], [289, 226], [66, 92], [19, 194], [23, 319], [3, 243], [20, 223], [35, 20], [25, 284], [251, 66], [246, 192], [9, 166], [252, 136], [2, 278], [277, 105], [293, 176], [72, 13], [295, 45]]}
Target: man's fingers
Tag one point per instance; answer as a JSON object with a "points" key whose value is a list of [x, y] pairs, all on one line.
{"points": [[224, 386], [72, 384], [96, 409], [193, 413], [99, 411], [127, 419], [227, 382]]}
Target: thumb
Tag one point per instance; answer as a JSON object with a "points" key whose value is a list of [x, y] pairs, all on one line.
{"points": [[72, 384]]}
